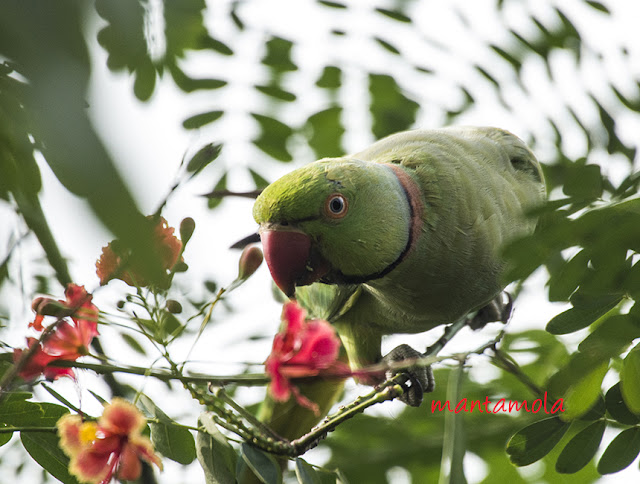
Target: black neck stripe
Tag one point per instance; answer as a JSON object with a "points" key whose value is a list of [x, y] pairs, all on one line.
{"points": [[414, 231]]}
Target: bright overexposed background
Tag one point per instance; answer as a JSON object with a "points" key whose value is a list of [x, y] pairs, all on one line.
{"points": [[147, 142]]}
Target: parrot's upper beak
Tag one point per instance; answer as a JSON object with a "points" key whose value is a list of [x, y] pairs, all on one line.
{"points": [[289, 258]]}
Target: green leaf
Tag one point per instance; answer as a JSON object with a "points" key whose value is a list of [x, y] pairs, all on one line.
{"points": [[596, 412], [145, 82], [102, 400], [583, 392], [326, 132], [278, 55], [515, 62], [204, 157], [20, 413], [598, 6], [123, 38], [331, 78], [584, 182], [133, 343], [263, 465], [394, 14], [392, 111], [23, 413], [258, 179], [44, 448], [277, 92], [273, 137], [535, 441], [168, 326], [184, 30], [215, 454], [577, 318], [217, 45], [621, 452], [221, 185], [630, 380], [581, 448], [199, 120], [331, 4], [5, 437], [190, 84], [305, 472], [566, 281], [387, 46], [612, 336], [617, 407], [172, 441]]}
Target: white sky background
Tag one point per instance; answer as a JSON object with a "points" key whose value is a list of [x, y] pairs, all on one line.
{"points": [[147, 142]]}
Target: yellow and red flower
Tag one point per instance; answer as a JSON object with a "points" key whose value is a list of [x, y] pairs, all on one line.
{"points": [[118, 263], [303, 349], [68, 341], [111, 447]]}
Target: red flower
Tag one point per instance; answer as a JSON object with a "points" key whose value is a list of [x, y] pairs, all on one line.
{"points": [[37, 364], [117, 263], [68, 341], [112, 446], [304, 348]]}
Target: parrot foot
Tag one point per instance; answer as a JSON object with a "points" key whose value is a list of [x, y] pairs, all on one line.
{"points": [[498, 309], [420, 378]]}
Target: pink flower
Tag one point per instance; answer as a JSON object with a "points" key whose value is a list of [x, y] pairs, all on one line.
{"points": [[303, 349], [68, 341], [117, 263], [112, 446]]}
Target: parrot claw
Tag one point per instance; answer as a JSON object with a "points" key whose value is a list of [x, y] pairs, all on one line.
{"points": [[496, 310], [420, 378]]}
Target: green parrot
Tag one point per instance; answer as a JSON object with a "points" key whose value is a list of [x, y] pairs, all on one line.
{"points": [[398, 238]]}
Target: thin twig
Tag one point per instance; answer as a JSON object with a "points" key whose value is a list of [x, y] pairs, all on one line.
{"points": [[504, 362], [252, 379]]}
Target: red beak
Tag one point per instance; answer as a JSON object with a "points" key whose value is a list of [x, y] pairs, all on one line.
{"points": [[287, 253]]}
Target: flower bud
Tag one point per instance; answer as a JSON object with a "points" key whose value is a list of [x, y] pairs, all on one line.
{"points": [[187, 226], [173, 306], [250, 260]]}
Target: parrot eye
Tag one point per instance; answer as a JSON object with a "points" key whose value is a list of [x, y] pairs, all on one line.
{"points": [[336, 206]]}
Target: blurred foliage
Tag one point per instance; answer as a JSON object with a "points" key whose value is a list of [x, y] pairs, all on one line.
{"points": [[588, 240]]}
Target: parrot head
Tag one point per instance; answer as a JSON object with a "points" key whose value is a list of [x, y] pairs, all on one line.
{"points": [[336, 221]]}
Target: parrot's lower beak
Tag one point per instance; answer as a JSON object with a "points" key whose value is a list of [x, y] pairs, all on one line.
{"points": [[288, 256]]}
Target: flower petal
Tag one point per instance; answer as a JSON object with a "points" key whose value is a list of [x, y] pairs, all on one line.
{"points": [[293, 314], [144, 449], [280, 387], [320, 346], [129, 466], [69, 432], [167, 244], [302, 349], [37, 323], [121, 418], [37, 362], [54, 372], [108, 265], [65, 341], [93, 467]]}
